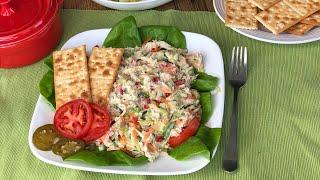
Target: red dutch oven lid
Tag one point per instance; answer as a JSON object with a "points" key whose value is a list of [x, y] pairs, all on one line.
{"points": [[24, 25]]}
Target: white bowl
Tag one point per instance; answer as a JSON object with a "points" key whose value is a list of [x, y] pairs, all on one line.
{"points": [[165, 165], [140, 5]]}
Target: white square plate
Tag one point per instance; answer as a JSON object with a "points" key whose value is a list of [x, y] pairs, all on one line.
{"points": [[165, 165]]}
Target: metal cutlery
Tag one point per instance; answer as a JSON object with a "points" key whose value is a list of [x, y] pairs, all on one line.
{"points": [[238, 71]]}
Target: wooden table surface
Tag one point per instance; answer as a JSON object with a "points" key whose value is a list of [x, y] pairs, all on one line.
{"points": [[184, 5]]}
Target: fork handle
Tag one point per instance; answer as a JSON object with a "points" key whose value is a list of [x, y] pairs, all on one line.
{"points": [[230, 157]]}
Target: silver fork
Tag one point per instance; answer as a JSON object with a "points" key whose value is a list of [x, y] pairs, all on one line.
{"points": [[237, 77]]}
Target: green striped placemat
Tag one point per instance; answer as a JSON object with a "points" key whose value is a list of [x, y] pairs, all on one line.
{"points": [[279, 107]]}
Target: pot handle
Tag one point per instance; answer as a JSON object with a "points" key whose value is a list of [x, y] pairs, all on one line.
{"points": [[60, 2]]}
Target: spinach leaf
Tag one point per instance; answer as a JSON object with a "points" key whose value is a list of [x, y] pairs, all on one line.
{"points": [[46, 87], [209, 136], [203, 85], [107, 158], [121, 158], [46, 84], [124, 34], [169, 34], [49, 62], [193, 146], [87, 157], [206, 106], [208, 77], [204, 82]]}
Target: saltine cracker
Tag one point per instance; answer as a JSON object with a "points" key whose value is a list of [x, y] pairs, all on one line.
{"points": [[240, 14], [71, 77], [313, 19], [103, 67], [264, 4], [300, 29], [303, 7], [279, 17]]}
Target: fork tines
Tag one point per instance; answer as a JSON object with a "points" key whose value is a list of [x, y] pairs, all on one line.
{"points": [[238, 64]]}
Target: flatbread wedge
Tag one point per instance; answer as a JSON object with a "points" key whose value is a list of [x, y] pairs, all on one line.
{"points": [[241, 15], [264, 4], [71, 77], [103, 67], [279, 17]]}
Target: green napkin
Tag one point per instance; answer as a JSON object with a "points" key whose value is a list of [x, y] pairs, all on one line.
{"points": [[279, 107]]}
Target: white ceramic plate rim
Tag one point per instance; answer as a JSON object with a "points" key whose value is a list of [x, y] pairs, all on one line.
{"points": [[130, 3], [265, 39], [215, 121], [140, 5]]}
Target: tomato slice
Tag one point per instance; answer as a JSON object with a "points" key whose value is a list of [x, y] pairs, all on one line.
{"points": [[100, 123], [73, 119], [186, 133]]}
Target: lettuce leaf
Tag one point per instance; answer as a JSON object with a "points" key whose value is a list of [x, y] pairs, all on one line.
{"points": [[46, 87], [107, 158], [205, 82], [48, 61], [127, 34], [192, 147], [124, 34], [208, 77], [206, 106], [169, 34], [203, 85], [209, 136]]}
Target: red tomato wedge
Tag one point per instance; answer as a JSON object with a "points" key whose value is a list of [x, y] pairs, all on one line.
{"points": [[186, 133], [100, 123], [73, 119]]}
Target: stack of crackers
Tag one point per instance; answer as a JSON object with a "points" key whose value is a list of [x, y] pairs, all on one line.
{"points": [[76, 77], [292, 16]]}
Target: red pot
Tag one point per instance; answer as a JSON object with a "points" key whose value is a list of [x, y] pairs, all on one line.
{"points": [[29, 30]]}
